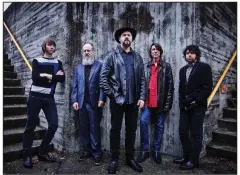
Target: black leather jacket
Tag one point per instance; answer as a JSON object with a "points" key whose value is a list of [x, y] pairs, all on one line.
{"points": [[113, 77], [165, 86]]}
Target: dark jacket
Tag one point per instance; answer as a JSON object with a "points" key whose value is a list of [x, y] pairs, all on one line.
{"points": [[165, 86], [113, 77], [95, 93], [198, 87]]}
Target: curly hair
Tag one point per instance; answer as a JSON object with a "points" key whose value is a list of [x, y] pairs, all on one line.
{"points": [[193, 48]]}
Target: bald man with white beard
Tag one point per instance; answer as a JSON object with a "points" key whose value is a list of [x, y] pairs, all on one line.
{"points": [[88, 99]]}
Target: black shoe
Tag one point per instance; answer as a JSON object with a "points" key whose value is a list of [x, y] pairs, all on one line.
{"points": [[46, 157], [157, 157], [188, 166], [112, 168], [180, 160], [84, 156], [134, 165], [142, 156], [27, 162], [98, 160]]}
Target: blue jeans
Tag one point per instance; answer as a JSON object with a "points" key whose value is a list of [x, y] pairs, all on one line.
{"points": [[144, 127]]}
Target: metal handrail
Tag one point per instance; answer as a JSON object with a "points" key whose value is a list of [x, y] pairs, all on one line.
{"points": [[19, 49], [221, 78]]}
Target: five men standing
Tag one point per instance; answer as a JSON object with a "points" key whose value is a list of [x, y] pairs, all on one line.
{"points": [[122, 79]]}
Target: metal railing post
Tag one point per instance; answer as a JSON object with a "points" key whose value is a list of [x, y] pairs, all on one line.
{"points": [[221, 78]]}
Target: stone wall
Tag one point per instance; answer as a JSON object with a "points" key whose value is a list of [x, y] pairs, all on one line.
{"points": [[217, 36], [31, 24], [173, 25]]}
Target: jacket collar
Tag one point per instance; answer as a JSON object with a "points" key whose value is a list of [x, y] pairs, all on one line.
{"points": [[161, 64], [121, 50], [117, 51], [93, 68], [195, 67]]}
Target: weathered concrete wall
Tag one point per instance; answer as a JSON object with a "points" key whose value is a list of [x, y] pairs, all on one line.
{"points": [[173, 25]]}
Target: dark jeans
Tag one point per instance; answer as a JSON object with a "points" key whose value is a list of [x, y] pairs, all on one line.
{"points": [[90, 129], [144, 126], [131, 116], [192, 121], [34, 105]]}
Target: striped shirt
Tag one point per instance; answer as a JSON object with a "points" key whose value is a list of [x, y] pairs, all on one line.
{"points": [[41, 86]]}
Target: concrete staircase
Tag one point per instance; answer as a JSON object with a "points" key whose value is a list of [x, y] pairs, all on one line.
{"points": [[14, 115], [224, 139]]}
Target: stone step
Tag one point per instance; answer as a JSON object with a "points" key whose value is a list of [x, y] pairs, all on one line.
{"points": [[229, 123], [9, 75], [11, 82], [225, 137], [5, 56], [7, 62], [14, 99], [10, 90], [230, 112], [224, 151], [234, 93], [13, 152], [232, 102], [9, 68], [14, 109], [14, 121], [12, 136]]}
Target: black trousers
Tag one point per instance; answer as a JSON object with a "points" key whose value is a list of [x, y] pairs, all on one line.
{"points": [[192, 121], [131, 115], [34, 105]]}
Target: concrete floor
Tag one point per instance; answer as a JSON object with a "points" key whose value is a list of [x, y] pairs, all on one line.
{"points": [[68, 164]]}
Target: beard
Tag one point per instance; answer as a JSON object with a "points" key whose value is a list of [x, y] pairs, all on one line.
{"points": [[87, 60], [126, 44], [190, 61]]}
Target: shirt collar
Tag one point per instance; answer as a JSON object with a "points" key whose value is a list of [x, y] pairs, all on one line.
{"points": [[158, 62], [192, 64], [121, 50]]}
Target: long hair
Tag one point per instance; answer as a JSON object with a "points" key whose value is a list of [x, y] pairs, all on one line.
{"points": [[158, 47]]}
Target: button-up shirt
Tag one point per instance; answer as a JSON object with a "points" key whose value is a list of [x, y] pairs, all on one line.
{"points": [[189, 70], [128, 59], [152, 97]]}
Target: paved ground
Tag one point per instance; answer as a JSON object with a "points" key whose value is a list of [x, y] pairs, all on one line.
{"points": [[68, 164]]}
